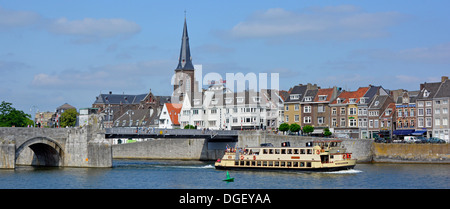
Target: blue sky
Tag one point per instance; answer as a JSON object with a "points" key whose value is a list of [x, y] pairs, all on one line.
{"points": [[56, 52]]}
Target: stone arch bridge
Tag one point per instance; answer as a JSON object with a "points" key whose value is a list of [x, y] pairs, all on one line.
{"points": [[71, 147]]}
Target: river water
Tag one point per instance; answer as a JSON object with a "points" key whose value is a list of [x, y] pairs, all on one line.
{"points": [[159, 174]]}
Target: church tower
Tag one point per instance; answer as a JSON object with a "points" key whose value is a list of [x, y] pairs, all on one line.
{"points": [[184, 73]]}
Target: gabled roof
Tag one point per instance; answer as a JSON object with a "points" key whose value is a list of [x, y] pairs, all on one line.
{"points": [[428, 90], [119, 99], [297, 90], [444, 90], [347, 95], [324, 92], [174, 110]]}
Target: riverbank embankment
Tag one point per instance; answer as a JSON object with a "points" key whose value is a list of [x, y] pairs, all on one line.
{"points": [[364, 150]]}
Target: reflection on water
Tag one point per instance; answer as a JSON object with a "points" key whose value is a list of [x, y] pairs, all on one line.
{"points": [[159, 174]]}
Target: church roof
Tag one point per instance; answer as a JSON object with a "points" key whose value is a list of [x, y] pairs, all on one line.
{"points": [[185, 60]]}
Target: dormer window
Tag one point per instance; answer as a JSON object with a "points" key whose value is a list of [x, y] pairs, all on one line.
{"points": [[352, 100], [256, 99], [228, 100], [426, 93], [240, 99], [339, 100], [294, 96], [322, 97], [362, 100], [308, 99]]}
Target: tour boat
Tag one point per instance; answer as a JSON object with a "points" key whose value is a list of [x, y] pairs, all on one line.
{"points": [[328, 155]]}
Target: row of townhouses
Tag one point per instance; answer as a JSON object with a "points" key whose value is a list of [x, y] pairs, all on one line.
{"points": [[368, 112]]}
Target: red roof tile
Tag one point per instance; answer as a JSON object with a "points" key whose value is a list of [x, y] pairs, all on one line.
{"points": [[347, 95], [321, 92], [174, 111]]}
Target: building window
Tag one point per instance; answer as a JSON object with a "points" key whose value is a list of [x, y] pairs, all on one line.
{"points": [[307, 109], [420, 122], [334, 111], [342, 124], [195, 112], [321, 108], [342, 110], [428, 122], [287, 107], [444, 121], [334, 122], [320, 120], [437, 121], [420, 112], [352, 111], [362, 122], [352, 122], [307, 119], [296, 106], [287, 118], [428, 103], [428, 111], [375, 124], [296, 118]]}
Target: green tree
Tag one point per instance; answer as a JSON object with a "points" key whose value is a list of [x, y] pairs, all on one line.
{"points": [[308, 129], [294, 127], [68, 118], [9, 116], [284, 127], [327, 132], [189, 126]]}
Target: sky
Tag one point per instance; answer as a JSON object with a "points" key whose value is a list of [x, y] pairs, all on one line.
{"points": [[56, 52]]}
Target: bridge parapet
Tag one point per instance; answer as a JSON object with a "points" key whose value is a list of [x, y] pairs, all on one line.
{"points": [[71, 147]]}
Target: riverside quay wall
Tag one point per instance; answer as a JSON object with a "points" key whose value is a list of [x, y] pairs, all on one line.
{"points": [[364, 150]]}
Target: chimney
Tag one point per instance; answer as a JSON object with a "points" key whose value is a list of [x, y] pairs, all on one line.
{"points": [[444, 78]]}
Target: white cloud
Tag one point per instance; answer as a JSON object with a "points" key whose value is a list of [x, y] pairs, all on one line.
{"points": [[10, 19], [118, 76], [333, 22], [100, 28]]}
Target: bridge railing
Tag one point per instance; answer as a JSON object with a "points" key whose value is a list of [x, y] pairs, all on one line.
{"points": [[162, 131]]}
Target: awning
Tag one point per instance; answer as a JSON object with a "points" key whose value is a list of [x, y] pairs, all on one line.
{"points": [[419, 132], [403, 132]]}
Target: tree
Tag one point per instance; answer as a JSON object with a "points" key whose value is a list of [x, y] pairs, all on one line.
{"points": [[189, 127], [68, 118], [308, 129], [294, 127], [284, 127], [9, 116], [327, 132]]}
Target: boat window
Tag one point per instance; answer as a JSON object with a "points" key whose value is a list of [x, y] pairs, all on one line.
{"points": [[236, 162], [283, 164], [295, 151], [253, 163], [308, 164], [302, 164], [302, 151], [265, 163], [247, 163], [289, 151], [270, 163], [264, 151], [295, 164], [283, 151], [277, 151], [289, 164], [309, 151], [259, 163], [277, 163], [270, 151]]}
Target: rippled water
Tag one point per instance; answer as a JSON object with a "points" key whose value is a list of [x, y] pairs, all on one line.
{"points": [[152, 174]]}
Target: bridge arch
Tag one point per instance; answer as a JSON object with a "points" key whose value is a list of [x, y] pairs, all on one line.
{"points": [[47, 151]]}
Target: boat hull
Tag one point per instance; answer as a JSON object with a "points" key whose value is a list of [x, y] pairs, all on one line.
{"points": [[322, 169]]}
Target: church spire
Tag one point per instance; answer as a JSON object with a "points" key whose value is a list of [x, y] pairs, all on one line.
{"points": [[185, 60]]}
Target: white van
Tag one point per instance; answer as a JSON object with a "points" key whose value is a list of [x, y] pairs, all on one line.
{"points": [[411, 139]]}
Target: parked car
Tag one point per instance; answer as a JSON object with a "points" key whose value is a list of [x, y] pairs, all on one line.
{"points": [[411, 139]]}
